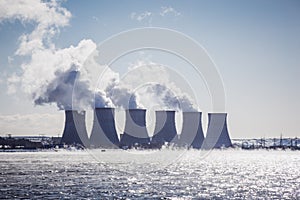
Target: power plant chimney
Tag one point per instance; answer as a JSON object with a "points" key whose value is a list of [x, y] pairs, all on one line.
{"points": [[217, 133], [192, 133], [104, 132], [75, 129], [135, 132], [165, 129]]}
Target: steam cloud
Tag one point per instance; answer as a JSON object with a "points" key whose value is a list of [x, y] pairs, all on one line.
{"points": [[60, 91], [163, 98], [121, 96], [169, 99], [54, 75]]}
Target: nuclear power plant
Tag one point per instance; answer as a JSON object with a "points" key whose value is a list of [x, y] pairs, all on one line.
{"points": [[217, 133], [135, 133], [165, 129], [75, 129], [104, 134], [192, 133]]}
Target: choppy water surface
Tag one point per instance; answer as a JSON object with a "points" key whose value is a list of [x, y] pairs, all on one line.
{"points": [[227, 174]]}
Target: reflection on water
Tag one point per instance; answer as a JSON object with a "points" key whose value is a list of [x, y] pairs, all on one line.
{"points": [[227, 174]]}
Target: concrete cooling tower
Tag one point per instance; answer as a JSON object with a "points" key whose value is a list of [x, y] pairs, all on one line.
{"points": [[135, 132], [192, 133], [75, 129], [104, 134], [165, 129], [217, 133]]}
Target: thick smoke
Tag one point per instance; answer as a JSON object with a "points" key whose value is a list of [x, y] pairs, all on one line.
{"points": [[51, 75], [61, 91], [155, 85], [101, 100], [48, 73], [115, 95], [121, 96], [165, 98]]}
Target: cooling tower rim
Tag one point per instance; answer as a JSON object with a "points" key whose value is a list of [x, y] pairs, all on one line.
{"points": [[165, 111], [217, 113], [192, 112], [136, 109], [78, 111], [104, 108]]}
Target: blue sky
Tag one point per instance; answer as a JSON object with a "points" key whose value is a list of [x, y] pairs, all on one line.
{"points": [[255, 45]]}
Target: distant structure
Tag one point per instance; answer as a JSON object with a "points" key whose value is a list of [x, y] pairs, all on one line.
{"points": [[217, 133], [75, 130], [135, 132], [165, 129], [192, 132], [104, 134]]}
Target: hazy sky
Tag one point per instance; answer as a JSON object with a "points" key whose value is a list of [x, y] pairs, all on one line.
{"points": [[255, 45]]}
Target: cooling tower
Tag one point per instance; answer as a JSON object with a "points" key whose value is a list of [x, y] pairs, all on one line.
{"points": [[192, 133], [75, 129], [104, 132], [217, 134], [135, 132], [165, 130]]}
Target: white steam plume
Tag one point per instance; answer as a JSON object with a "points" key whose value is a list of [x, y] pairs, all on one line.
{"points": [[154, 85], [49, 75], [52, 75], [121, 96], [164, 98]]}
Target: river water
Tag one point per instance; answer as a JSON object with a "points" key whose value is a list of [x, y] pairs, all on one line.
{"points": [[165, 174]]}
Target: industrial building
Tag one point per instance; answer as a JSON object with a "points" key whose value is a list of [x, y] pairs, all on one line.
{"points": [[217, 133], [135, 133], [75, 129], [165, 129], [104, 132], [192, 132]]}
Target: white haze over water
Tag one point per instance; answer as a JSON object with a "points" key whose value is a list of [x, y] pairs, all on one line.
{"points": [[227, 174]]}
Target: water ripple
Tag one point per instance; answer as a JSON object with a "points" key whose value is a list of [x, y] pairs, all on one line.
{"points": [[229, 174]]}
